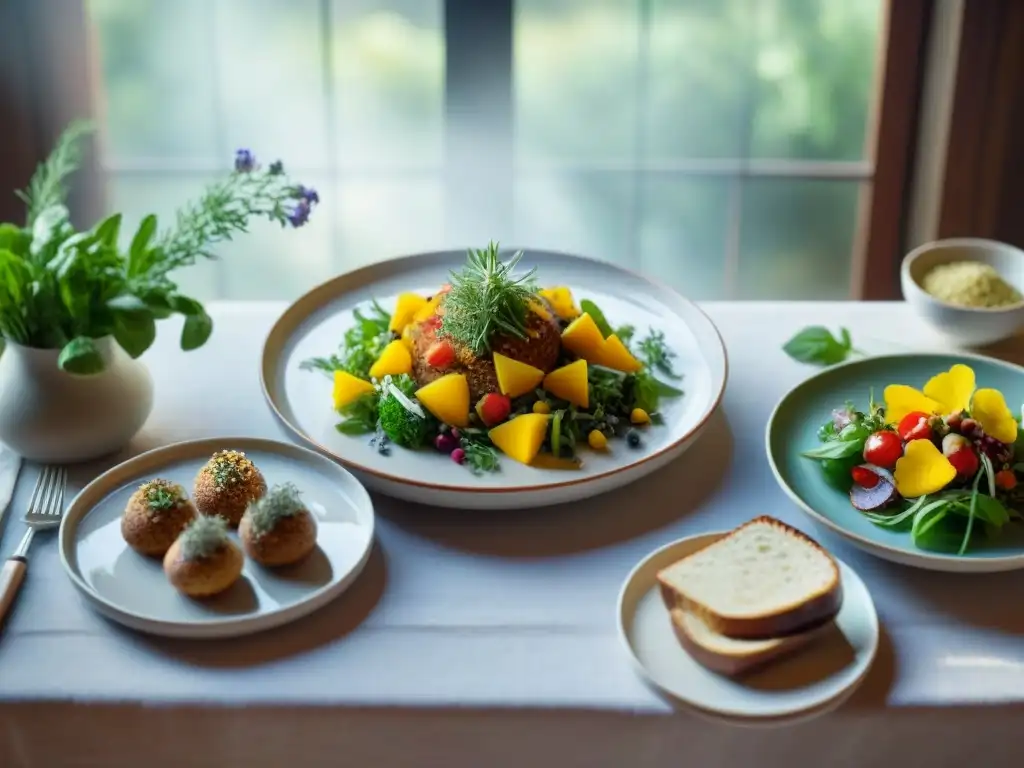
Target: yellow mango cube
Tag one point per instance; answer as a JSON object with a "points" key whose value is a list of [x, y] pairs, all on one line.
{"points": [[583, 338], [348, 389], [393, 361], [570, 383], [405, 308], [522, 437], [615, 355], [447, 398], [516, 378]]}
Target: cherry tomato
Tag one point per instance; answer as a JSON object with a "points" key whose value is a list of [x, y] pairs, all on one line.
{"points": [[864, 477], [914, 426], [965, 461], [441, 354], [883, 449], [1006, 479]]}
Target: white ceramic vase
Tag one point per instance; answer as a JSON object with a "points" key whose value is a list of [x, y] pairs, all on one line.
{"points": [[51, 416]]}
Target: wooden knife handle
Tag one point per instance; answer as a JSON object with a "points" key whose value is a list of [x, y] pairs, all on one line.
{"points": [[11, 576]]}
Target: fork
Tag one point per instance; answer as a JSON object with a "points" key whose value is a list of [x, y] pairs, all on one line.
{"points": [[44, 512]]}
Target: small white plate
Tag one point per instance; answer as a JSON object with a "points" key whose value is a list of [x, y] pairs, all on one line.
{"points": [[810, 682], [316, 323], [133, 590]]}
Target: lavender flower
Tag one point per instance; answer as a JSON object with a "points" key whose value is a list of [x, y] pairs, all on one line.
{"points": [[245, 161], [300, 213], [308, 194]]}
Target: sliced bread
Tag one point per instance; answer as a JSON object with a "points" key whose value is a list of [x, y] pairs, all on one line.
{"points": [[764, 579], [730, 656]]}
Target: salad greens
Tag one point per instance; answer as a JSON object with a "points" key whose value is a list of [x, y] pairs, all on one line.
{"points": [[948, 520], [390, 414]]}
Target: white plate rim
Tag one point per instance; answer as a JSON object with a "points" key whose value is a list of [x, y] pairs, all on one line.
{"points": [[307, 304], [220, 627], [932, 561], [783, 716]]}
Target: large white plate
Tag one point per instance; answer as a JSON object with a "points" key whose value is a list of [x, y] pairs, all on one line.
{"points": [[132, 589], [314, 325], [809, 683]]}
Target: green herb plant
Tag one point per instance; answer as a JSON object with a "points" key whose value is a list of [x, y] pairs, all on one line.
{"points": [[487, 299], [817, 346], [61, 288]]}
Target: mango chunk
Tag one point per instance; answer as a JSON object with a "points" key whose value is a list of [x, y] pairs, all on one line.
{"points": [[583, 338], [428, 310], [561, 300], [407, 337], [393, 361], [447, 398], [516, 378], [570, 383], [522, 437], [615, 355], [348, 389], [406, 306]]}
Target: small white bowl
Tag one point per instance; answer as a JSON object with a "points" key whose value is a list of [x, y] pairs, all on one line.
{"points": [[969, 326]]}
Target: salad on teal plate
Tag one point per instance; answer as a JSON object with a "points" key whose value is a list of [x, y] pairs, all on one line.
{"points": [[916, 453]]}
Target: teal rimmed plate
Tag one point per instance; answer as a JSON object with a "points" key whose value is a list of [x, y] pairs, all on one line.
{"points": [[792, 429]]}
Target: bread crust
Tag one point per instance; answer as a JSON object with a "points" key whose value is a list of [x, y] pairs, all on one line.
{"points": [[292, 539], [152, 532], [229, 502], [737, 665], [791, 619], [205, 576]]}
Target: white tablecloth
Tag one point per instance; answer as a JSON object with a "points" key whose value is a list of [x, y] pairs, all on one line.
{"points": [[489, 638]]}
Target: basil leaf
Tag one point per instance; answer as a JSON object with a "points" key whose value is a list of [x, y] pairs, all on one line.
{"points": [[816, 345], [145, 232], [186, 306], [836, 449], [108, 230], [354, 427], [80, 356], [134, 330], [127, 302], [991, 510], [591, 309], [196, 331]]}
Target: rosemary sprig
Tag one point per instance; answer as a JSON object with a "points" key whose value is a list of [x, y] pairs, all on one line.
{"points": [[46, 187], [487, 299]]}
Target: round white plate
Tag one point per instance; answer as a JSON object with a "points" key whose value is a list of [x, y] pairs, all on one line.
{"points": [[132, 589], [315, 324], [810, 682]]}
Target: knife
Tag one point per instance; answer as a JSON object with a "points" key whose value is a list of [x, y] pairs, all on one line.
{"points": [[10, 465]]}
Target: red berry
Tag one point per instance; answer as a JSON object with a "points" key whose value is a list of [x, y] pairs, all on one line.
{"points": [[441, 354], [883, 449], [446, 442], [1006, 479], [915, 426], [458, 455], [493, 408], [864, 477]]}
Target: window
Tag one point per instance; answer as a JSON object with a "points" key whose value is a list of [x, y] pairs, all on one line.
{"points": [[721, 146]]}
